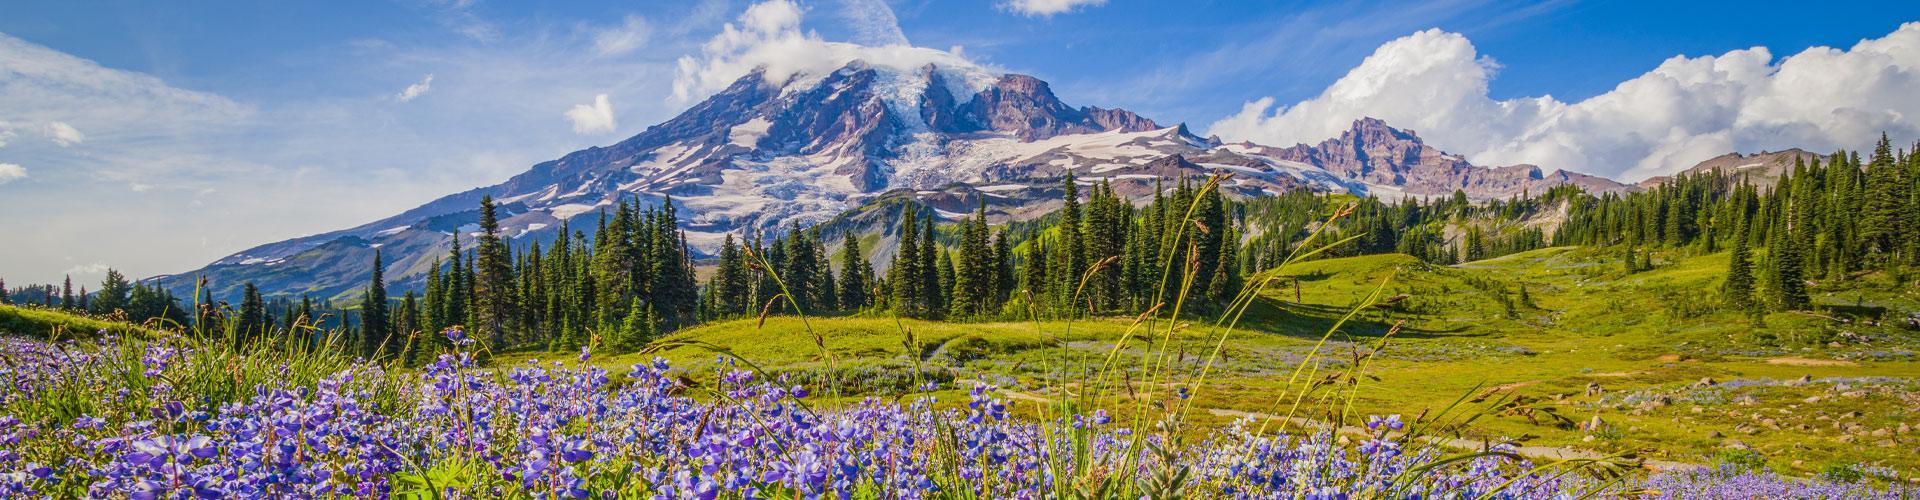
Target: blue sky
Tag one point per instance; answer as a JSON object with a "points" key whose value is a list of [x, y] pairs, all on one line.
{"points": [[157, 136]]}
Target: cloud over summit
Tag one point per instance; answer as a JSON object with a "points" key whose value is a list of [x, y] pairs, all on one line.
{"points": [[1685, 110]]}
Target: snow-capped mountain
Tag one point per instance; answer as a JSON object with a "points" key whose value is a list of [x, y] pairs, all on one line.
{"points": [[765, 155]]}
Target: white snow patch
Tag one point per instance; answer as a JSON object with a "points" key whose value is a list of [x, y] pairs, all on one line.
{"points": [[565, 211], [391, 231], [748, 134]]}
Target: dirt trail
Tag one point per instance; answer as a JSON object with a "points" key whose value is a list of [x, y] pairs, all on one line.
{"points": [[1799, 361], [1546, 453]]}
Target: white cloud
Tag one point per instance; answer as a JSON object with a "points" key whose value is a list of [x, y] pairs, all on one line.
{"points": [[1686, 110], [873, 22], [595, 118], [88, 269], [138, 187], [64, 134], [768, 36], [10, 172], [630, 35], [416, 90], [1047, 8]]}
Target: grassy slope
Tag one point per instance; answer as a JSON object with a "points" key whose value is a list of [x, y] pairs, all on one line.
{"points": [[47, 323]]}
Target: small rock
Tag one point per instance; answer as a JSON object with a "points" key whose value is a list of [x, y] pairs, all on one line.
{"points": [[1715, 435], [1594, 389], [1846, 438], [1697, 409], [1851, 414], [1705, 382], [1746, 400], [1904, 428], [1881, 432], [1811, 399], [1588, 439], [1735, 444], [1887, 443], [1595, 424], [1854, 394], [1803, 380], [1772, 424]]}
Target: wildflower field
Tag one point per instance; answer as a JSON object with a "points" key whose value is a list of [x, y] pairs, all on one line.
{"points": [[172, 418]]}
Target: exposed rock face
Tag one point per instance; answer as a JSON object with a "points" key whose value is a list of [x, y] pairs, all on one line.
{"points": [[1025, 107], [763, 155], [1763, 168], [1373, 153]]}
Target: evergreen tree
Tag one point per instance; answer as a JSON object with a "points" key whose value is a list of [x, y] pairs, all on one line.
{"points": [[854, 273], [800, 275], [1883, 217], [1739, 285], [252, 323], [374, 320], [731, 285], [492, 281], [973, 274], [905, 274], [1003, 280], [407, 326], [66, 294], [113, 294], [1073, 249]]}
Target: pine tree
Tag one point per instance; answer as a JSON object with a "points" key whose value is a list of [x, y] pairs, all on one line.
{"points": [[407, 326], [1883, 216], [66, 294], [1073, 249], [253, 315], [730, 282], [636, 331], [374, 320], [933, 298], [799, 274], [972, 273], [854, 272], [113, 294], [1003, 280], [492, 280], [1739, 285], [904, 274]]}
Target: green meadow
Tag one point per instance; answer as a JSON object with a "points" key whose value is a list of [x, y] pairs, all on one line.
{"points": [[1570, 355]]}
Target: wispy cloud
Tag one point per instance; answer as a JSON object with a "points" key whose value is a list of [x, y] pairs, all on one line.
{"points": [[1048, 8], [632, 34], [416, 90], [10, 172], [64, 135], [873, 22]]}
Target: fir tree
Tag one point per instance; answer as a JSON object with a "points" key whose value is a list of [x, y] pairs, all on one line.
{"points": [[252, 324], [730, 284], [375, 323], [905, 275], [113, 294], [1739, 285], [492, 280], [854, 272]]}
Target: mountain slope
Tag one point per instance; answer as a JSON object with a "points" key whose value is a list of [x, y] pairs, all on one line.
{"points": [[762, 155]]}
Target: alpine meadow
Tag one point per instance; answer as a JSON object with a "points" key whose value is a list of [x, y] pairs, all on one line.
{"points": [[1653, 251]]}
